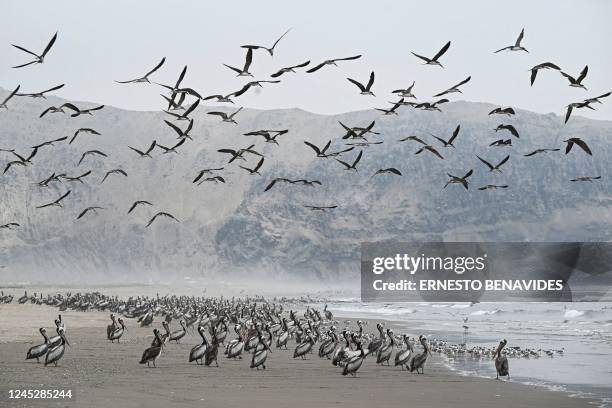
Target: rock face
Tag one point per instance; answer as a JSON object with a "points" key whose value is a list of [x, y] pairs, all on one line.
{"points": [[237, 228]]}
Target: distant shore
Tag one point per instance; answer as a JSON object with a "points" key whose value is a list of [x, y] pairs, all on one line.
{"points": [[102, 374]]}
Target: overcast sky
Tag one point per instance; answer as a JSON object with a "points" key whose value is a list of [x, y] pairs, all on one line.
{"points": [[100, 41]]}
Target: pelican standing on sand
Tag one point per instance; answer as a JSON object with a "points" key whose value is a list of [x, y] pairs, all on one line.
{"points": [[199, 352], [118, 332], [501, 361], [419, 360], [151, 354], [40, 350], [402, 357], [260, 355], [56, 353]]}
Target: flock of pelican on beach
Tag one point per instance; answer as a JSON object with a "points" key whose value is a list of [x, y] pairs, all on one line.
{"points": [[181, 102], [255, 326]]}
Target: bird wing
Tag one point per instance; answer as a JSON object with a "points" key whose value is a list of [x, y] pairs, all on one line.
{"points": [[248, 60], [158, 66], [570, 108], [370, 81], [489, 165], [150, 149], [272, 184], [502, 49], [48, 47], [25, 50], [442, 51], [348, 166], [53, 89], [444, 142], [174, 127], [19, 86], [235, 113], [83, 213], [316, 68], [233, 68], [137, 151], [63, 196], [278, 73], [455, 134], [534, 73], [348, 58], [44, 112], [242, 90], [279, 38], [519, 38], [513, 130], [584, 146], [468, 174], [25, 65], [395, 171], [222, 114], [359, 85], [583, 73], [358, 158], [259, 164], [421, 57], [191, 108], [503, 161]]}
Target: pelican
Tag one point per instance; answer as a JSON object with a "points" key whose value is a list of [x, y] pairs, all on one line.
{"points": [[260, 355], [354, 363], [418, 361], [111, 327], [178, 334], [384, 352], [328, 346], [145, 78], [517, 45], [57, 352], [199, 352], [402, 357], [304, 348], [151, 354], [271, 49], [434, 60], [39, 59], [331, 62], [234, 349], [501, 361], [40, 350], [213, 349], [118, 332]]}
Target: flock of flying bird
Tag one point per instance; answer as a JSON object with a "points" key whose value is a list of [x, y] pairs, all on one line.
{"points": [[179, 111], [259, 326]]}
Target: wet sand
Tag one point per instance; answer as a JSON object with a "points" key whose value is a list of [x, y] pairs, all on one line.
{"points": [[102, 374]]}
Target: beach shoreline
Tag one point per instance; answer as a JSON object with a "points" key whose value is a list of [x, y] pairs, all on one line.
{"points": [[101, 373]]}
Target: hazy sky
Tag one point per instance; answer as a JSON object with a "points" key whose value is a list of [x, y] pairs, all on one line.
{"points": [[100, 41]]}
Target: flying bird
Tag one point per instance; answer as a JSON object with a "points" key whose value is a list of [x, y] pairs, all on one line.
{"points": [[365, 90], [41, 94], [9, 226], [146, 153], [502, 142], [509, 128], [502, 111], [413, 138], [83, 130], [254, 170], [184, 115], [545, 65], [247, 63], [331, 62], [251, 84], [586, 178], [182, 134], [220, 98], [271, 49], [289, 69], [539, 151], [351, 166], [434, 60], [79, 112], [238, 154], [578, 142], [576, 105], [450, 141], [9, 97], [393, 110], [173, 148], [597, 98], [358, 132], [430, 106], [91, 152], [405, 93], [39, 59], [160, 214], [227, 118], [266, 134], [215, 179], [60, 109], [145, 78], [517, 45], [492, 187], [492, 167], [390, 170], [137, 203], [321, 208], [454, 88], [577, 82], [114, 171], [430, 149], [77, 178], [205, 171], [459, 180], [88, 209], [56, 203]]}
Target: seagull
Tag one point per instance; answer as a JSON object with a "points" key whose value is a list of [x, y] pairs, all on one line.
{"points": [[220, 98], [145, 78], [160, 214], [146, 153], [137, 203], [492, 167], [502, 111], [203, 172], [88, 209], [318, 151], [517, 45], [450, 141], [247, 63], [289, 69], [39, 59], [215, 179], [414, 138], [586, 178], [23, 161], [309, 183], [390, 170], [578, 142], [271, 49], [351, 166], [331, 62], [256, 169], [91, 152], [538, 151], [83, 130], [267, 136], [454, 88], [358, 132], [60, 109], [252, 84], [184, 115], [502, 142], [459, 180], [393, 109], [173, 148], [237, 154], [509, 128], [492, 187], [114, 171], [226, 117], [429, 149], [545, 65], [434, 60], [576, 105], [365, 90], [79, 112], [9, 226], [41, 94], [182, 134], [77, 178], [405, 93], [431, 106], [577, 82], [56, 203], [9, 97], [321, 208]]}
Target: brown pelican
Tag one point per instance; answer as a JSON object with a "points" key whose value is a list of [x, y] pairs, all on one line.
{"points": [[199, 352], [545, 65], [501, 361], [454, 88], [247, 63], [492, 167], [418, 361], [365, 90], [577, 82], [271, 49], [55, 353], [213, 349], [260, 355], [331, 62], [235, 347], [327, 347], [40, 350], [304, 348], [517, 45], [39, 59], [289, 69], [145, 78], [405, 93], [111, 327], [354, 363], [9, 97], [402, 357], [434, 60], [586, 178], [578, 142], [118, 332], [459, 180], [227, 118], [151, 354], [383, 355]]}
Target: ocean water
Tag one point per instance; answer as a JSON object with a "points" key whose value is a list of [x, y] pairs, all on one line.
{"points": [[582, 331]]}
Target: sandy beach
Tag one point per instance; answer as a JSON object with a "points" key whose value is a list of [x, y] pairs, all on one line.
{"points": [[102, 374]]}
